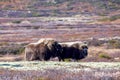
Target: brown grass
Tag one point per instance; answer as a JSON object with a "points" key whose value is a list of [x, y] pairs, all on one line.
{"points": [[11, 58], [95, 52]]}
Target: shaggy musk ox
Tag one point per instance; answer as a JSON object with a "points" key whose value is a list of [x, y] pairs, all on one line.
{"points": [[44, 49], [75, 50]]}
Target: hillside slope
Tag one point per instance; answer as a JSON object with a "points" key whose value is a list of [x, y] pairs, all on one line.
{"points": [[37, 8]]}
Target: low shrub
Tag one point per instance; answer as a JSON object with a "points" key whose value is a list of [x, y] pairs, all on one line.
{"points": [[115, 17], [102, 55], [95, 42], [42, 78], [67, 60], [104, 19], [112, 18], [3, 43], [35, 14], [17, 21], [12, 49], [114, 44], [9, 50], [35, 27]]}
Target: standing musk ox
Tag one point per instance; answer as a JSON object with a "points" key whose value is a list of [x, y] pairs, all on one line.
{"points": [[44, 49], [75, 50]]}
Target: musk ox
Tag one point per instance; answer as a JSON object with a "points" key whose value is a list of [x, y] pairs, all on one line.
{"points": [[75, 50], [44, 49]]}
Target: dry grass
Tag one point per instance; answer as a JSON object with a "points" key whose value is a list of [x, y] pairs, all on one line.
{"points": [[59, 71], [11, 58], [69, 28], [62, 29], [95, 52]]}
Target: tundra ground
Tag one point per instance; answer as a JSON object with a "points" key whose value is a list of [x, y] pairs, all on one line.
{"points": [[101, 63], [59, 70]]}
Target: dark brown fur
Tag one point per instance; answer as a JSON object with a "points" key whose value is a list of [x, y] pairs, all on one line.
{"points": [[42, 51], [75, 51]]}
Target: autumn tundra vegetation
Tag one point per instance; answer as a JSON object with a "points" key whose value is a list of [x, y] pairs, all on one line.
{"points": [[59, 39]]}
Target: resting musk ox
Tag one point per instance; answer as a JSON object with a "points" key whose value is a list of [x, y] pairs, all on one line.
{"points": [[75, 50], [44, 49]]}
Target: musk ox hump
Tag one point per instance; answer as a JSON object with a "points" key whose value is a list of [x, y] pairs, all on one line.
{"points": [[45, 40], [69, 44]]}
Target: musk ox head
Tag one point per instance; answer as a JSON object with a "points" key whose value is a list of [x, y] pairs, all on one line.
{"points": [[85, 50]]}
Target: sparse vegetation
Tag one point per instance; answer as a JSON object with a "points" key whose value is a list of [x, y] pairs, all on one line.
{"points": [[11, 49], [72, 22], [102, 55], [70, 7], [59, 71], [115, 17], [17, 21], [112, 18], [3, 43], [35, 14], [114, 44], [35, 27], [95, 42]]}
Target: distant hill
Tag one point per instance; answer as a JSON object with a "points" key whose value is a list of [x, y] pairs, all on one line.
{"points": [[38, 8]]}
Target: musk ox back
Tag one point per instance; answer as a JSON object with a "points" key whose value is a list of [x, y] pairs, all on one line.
{"points": [[75, 50], [44, 49]]}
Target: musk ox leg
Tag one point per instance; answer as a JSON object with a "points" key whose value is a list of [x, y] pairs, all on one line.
{"points": [[75, 60], [39, 57], [30, 57], [63, 60], [42, 57], [47, 56], [60, 59]]}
